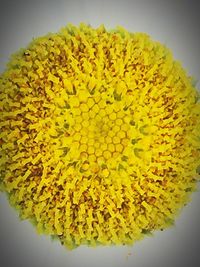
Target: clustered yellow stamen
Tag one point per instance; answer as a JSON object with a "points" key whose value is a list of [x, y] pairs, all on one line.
{"points": [[99, 135]]}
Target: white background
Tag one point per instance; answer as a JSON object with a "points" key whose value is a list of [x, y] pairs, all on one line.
{"points": [[173, 23]]}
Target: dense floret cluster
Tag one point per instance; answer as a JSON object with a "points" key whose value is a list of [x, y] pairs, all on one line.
{"points": [[99, 135]]}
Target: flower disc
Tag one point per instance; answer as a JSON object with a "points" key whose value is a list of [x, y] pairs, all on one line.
{"points": [[98, 134]]}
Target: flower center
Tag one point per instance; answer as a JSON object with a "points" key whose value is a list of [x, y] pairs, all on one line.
{"points": [[101, 131]]}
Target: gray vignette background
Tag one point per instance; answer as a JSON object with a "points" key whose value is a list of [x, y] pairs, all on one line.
{"points": [[174, 23]]}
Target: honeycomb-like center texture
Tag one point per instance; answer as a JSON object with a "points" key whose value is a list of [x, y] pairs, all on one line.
{"points": [[99, 135], [101, 131]]}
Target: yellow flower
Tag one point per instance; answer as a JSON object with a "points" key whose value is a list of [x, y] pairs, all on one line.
{"points": [[99, 135]]}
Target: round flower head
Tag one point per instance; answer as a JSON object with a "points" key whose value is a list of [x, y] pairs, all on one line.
{"points": [[99, 135]]}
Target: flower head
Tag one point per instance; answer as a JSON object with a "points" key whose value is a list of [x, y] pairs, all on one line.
{"points": [[99, 135]]}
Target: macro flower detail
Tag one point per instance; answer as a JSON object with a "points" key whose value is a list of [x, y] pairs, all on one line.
{"points": [[99, 135]]}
